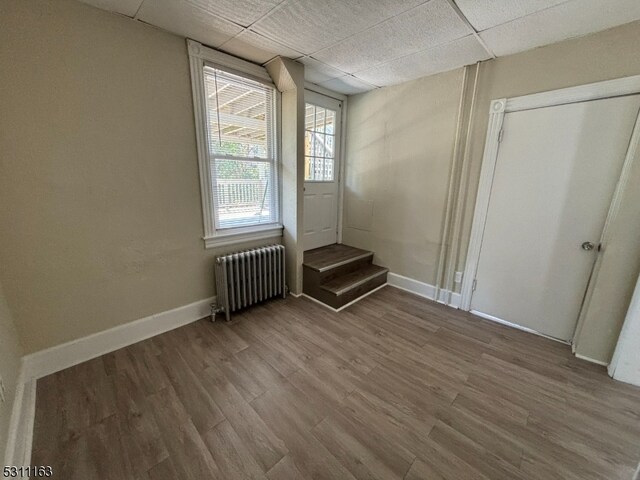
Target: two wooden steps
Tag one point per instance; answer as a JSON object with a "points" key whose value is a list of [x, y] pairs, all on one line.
{"points": [[338, 274]]}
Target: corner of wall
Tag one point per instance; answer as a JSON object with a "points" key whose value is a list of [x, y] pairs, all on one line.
{"points": [[288, 76], [10, 367]]}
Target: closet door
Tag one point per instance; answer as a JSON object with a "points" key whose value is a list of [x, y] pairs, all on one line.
{"points": [[556, 172]]}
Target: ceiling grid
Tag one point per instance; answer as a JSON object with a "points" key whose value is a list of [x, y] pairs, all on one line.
{"points": [[352, 46]]}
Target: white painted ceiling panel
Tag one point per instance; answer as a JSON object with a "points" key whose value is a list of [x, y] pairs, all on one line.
{"points": [[256, 48], [485, 14], [426, 26], [571, 19], [310, 25], [123, 7], [243, 12], [183, 18], [355, 45], [458, 53], [348, 85], [318, 72]]}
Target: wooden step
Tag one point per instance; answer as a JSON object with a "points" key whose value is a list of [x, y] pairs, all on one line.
{"points": [[331, 257], [327, 263], [345, 283], [338, 274]]}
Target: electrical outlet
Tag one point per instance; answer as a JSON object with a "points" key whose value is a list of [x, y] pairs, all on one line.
{"points": [[1, 390], [457, 277]]}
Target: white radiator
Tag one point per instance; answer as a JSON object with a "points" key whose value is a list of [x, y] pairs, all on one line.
{"points": [[248, 277]]}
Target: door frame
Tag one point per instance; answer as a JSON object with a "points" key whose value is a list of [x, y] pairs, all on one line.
{"points": [[498, 109], [627, 342], [317, 89]]}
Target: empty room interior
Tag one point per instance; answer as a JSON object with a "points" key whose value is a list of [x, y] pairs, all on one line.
{"points": [[304, 239]]}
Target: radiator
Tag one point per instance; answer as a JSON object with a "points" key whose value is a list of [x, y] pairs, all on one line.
{"points": [[248, 277]]}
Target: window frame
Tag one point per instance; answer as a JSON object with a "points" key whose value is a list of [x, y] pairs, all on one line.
{"points": [[338, 106], [199, 57]]}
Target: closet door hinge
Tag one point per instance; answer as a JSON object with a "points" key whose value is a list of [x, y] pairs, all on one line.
{"points": [[501, 135], [474, 285]]}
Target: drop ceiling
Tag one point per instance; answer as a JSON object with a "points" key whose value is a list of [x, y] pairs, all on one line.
{"points": [[352, 46]]}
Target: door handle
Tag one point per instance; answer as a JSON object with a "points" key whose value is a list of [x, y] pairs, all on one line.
{"points": [[588, 246]]}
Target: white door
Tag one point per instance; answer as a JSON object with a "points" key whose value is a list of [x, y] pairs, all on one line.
{"points": [[625, 364], [323, 117], [556, 172]]}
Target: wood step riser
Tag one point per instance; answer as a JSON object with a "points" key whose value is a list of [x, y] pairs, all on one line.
{"points": [[333, 274], [340, 301], [344, 269]]}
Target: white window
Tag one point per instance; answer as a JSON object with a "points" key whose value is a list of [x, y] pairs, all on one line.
{"points": [[319, 144], [236, 124]]}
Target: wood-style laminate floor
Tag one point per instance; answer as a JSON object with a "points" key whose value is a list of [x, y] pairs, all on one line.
{"points": [[393, 387]]}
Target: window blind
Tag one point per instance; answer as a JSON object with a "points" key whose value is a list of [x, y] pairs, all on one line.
{"points": [[240, 128]]}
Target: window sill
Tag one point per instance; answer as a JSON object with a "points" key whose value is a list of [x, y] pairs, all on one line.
{"points": [[241, 235]]}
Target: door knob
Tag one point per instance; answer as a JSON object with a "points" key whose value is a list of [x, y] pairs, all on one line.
{"points": [[588, 246]]}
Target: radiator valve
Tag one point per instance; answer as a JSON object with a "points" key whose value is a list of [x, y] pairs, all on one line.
{"points": [[215, 309]]}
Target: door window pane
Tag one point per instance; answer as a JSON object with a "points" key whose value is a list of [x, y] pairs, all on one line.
{"points": [[319, 148]]}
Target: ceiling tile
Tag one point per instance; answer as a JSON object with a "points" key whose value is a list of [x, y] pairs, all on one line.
{"points": [[318, 72], [187, 20], [347, 85], [426, 26], [571, 19], [310, 25], [485, 14], [243, 12], [124, 7], [256, 48], [458, 53]]}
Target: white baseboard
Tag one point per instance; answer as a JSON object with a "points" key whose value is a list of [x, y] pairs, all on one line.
{"points": [[452, 299], [20, 434], [592, 360], [346, 304], [410, 285], [423, 289], [516, 326], [54, 359]]}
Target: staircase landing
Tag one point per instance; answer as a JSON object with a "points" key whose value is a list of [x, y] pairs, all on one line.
{"points": [[338, 274]]}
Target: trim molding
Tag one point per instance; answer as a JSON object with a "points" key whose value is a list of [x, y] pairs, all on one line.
{"points": [[428, 291], [324, 91], [45, 362], [486, 316], [236, 237], [20, 434], [342, 173], [592, 360], [612, 214], [345, 305], [446, 297], [624, 366], [582, 93], [199, 56], [206, 54], [496, 119], [498, 109]]}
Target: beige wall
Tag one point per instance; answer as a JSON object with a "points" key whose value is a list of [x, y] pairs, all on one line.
{"points": [[10, 353], [288, 76], [99, 184], [379, 174], [602, 56], [399, 148], [101, 215]]}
